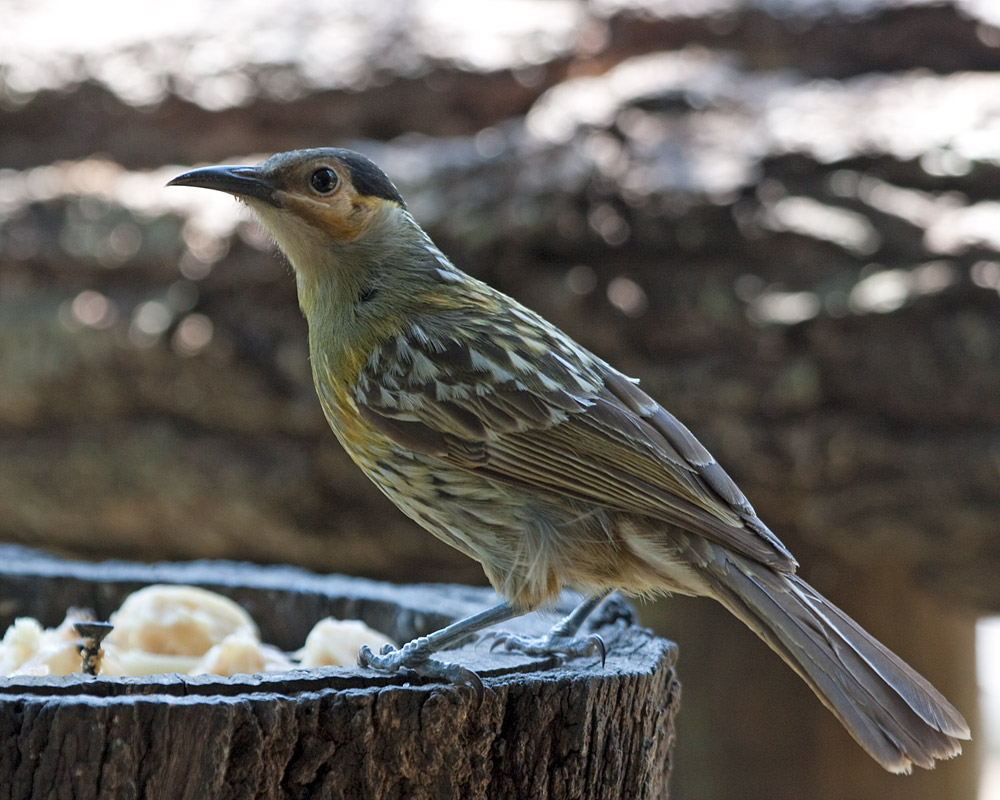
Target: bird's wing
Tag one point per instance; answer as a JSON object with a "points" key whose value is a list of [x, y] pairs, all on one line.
{"points": [[555, 419]]}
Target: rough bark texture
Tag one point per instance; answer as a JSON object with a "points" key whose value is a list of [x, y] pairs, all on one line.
{"points": [[781, 216], [542, 731]]}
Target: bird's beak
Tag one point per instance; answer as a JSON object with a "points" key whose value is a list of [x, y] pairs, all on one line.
{"points": [[239, 181]]}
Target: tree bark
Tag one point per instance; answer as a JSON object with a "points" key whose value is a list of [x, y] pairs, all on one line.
{"points": [[543, 730]]}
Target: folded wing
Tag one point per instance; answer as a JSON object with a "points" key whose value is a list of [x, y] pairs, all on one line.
{"points": [[555, 419]]}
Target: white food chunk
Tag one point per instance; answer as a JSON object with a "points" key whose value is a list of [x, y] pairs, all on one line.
{"points": [[335, 643]]}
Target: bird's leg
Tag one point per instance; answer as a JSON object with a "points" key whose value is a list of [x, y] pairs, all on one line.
{"points": [[561, 640], [417, 654]]}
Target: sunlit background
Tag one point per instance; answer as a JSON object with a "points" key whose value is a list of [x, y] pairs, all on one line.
{"points": [[746, 204]]}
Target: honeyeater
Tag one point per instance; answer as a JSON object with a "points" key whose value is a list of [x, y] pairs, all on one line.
{"points": [[506, 439]]}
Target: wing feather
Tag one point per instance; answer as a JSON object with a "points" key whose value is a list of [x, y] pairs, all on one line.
{"points": [[559, 421]]}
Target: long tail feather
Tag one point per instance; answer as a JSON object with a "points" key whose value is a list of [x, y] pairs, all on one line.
{"points": [[889, 709]]}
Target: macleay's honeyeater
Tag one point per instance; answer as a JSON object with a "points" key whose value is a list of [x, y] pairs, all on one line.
{"points": [[503, 437]]}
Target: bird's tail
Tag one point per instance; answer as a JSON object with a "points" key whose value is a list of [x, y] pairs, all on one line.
{"points": [[890, 710]]}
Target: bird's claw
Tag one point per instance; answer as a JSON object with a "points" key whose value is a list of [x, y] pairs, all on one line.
{"points": [[498, 637], [562, 647], [416, 656]]}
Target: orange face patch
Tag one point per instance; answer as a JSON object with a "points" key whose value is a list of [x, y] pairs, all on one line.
{"points": [[343, 216]]}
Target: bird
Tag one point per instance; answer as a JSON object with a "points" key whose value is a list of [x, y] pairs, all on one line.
{"points": [[503, 437]]}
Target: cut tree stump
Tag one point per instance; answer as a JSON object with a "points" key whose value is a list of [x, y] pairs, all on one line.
{"points": [[544, 730]]}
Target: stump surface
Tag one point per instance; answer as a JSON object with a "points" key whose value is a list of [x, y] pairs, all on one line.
{"points": [[544, 730]]}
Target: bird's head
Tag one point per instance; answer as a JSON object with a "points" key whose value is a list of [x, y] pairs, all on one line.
{"points": [[329, 192], [334, 214]]}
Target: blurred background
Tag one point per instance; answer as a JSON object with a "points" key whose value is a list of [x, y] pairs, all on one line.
{"points": [[781, 215]]}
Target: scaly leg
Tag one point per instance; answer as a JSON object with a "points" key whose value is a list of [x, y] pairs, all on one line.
{"points": [[416, 654], [562, 639]]}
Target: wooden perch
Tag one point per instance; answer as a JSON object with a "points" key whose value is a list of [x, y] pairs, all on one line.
{"points": [[543, 730]]}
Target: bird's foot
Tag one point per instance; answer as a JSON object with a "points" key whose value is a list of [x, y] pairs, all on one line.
{"points": [[552, 644], [416, 655]]}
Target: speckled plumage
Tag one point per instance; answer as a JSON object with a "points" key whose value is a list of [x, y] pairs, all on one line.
{"points": [[504, 399], [502, 436]]}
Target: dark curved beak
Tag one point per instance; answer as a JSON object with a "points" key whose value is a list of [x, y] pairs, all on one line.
{"points": [[239, 181]]}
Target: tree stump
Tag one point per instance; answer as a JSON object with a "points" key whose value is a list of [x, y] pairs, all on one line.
{"points": [[544, 729]]}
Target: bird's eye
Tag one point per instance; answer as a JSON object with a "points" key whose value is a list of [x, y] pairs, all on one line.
{"points": [[323, 180]]}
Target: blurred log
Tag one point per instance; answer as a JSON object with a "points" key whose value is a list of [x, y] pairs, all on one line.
{"points": [[409, 72], [829, 329], [542, 730]]}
